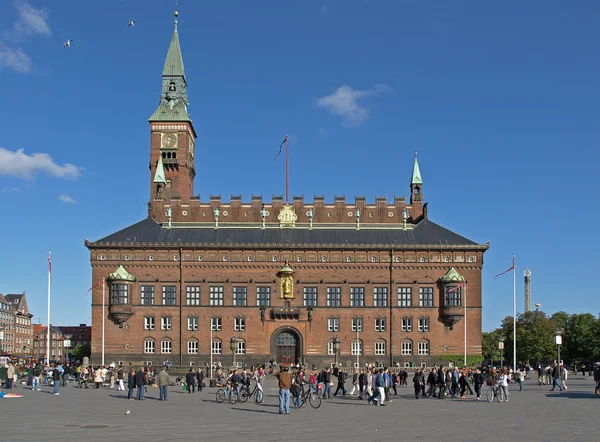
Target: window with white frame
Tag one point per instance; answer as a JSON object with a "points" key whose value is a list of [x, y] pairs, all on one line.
{"points": [[406, 324], [239, 324], [240, 347], [357, 324], [333, 324], [380, 348], [148, 322], [193, 347], [216, 347], [404, 296], [379, 324], [240, 296], [330, 350], [423, 324], [357, 348], [406, 348], [169, 295], [166, 323], [216, 295], [192, 295], [193, 323], [424, 347], [263, 296], [215, 323], [149, 346], [310, 296], [147, 295], [380, 296], [166, 346], [425, 296], [357, 296], [334, 296]]}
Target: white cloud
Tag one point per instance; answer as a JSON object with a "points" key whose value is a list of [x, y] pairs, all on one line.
{"points": [[14, 59], [345, 102], [20, 165], [31, 21], [66, 199]]}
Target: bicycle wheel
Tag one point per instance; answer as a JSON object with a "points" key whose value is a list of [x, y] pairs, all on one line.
{"points": [[314, 399], [234, 397], [220, 395], [258, 397], [500, 395], [244, 395], [490, 394]]}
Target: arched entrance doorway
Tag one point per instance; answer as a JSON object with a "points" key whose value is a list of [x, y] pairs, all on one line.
{"points": [[286, 346]]}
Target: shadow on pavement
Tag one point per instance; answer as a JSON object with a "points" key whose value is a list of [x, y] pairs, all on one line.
{"points": [[571, 395]]}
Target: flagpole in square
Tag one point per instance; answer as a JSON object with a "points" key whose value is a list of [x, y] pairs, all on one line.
{"points": [[48, 329]]}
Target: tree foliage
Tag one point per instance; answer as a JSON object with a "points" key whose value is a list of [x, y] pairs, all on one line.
{"points": [[80, 351], [458, 360]]}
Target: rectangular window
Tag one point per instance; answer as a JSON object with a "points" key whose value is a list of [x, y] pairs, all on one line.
{"points": [[334, 296], [147, 295], [192, 295], [425, 296], [407, 348], [165, 323], [423, 348], [310, 296], [423, 324], [239, 324], [357, 348], [356, 324], [216, 295], [330, 351], [380, 296], [193, 347], [263, 296], [241, 348], [380, 324], [149, 346], [380, 348], [240, 296], [193, 323], [169, 295], [215, 323], [404, 296], [333, 324], [453, 296], [406, 324], [166, 347], [149, 323], [119, 293], [357, 296], [216, 347]]}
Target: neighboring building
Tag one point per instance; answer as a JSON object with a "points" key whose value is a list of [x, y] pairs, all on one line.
{"points": [[74, 336], [7, 326], [277, 280], [23, 330], [57, 339]]}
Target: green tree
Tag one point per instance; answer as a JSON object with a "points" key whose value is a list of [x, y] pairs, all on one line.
{"points": [[489, 344], [581, 338], [560, 319], [80, 351], [535, 337]]}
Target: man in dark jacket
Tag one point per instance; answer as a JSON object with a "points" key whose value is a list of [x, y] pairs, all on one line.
{"points": [[597, 378], [200, 377], [326, 379], [140, 382], [190, 380], [130, 383], [441, 381], [340, 384], [362, 381]]}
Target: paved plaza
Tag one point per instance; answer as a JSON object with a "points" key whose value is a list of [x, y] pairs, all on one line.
{"points": [[535, 414]]}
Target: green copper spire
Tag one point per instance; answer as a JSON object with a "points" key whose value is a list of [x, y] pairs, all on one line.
{"points": [[159, 176], [416, 175], [173, 100]]}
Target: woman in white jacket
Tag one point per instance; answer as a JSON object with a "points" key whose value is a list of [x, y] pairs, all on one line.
{"points": [[503, 382]]}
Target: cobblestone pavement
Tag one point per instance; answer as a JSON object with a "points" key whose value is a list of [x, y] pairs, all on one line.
{"points": [[535, 414]]}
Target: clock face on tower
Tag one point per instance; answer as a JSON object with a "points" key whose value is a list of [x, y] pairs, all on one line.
{"points": [[169, 140]]}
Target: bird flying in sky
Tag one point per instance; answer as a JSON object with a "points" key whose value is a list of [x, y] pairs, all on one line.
{"points": [[67, 44], [132, 23]]}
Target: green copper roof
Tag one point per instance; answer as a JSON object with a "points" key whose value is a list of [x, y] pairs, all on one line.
{"points": [[416, 175], [121, 275], [159, 176], [174, 61], [452, 276]]}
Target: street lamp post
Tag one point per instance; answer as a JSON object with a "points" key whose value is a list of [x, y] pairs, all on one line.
{"points": [[501, 349], [336, 348], [233, 346], [558, 342]]}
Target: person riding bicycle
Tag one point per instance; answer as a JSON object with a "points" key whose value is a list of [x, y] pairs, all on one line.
{"points": [[258, 377], [298, 382], [234, 381]]}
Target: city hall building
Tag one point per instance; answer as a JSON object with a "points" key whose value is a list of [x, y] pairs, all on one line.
{"points": [[250, 280]]}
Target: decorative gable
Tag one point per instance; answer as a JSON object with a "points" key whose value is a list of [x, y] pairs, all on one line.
{"points": [[121, 275], [452, 276]]}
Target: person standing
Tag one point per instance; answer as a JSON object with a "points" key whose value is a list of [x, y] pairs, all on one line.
{"points": [[120, 376], [56, 379], [35, 380], [285, 382], [130, 383], [326, 378], [163, 383], [478, 381], [200, 378], [10, 373], [190, 380], [140, 383], [503, 382]]}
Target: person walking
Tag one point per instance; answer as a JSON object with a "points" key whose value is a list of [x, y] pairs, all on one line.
{"points": [[478, 381], [503, 382], [163, 383], [556, 378], [140, 383], [326, 379], [340, 384], [10, 373], [130, 383], [190, 380], [355, 383], [417, 383], [285, 382]]}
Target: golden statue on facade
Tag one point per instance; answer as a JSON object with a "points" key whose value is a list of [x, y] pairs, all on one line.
{"points": [[286, 276]]}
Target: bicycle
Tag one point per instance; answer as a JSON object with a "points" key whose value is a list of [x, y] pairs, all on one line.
{"points": [[229, 393], [245, 393], [310, 395], [495, 392]]}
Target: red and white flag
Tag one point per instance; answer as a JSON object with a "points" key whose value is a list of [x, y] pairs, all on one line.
{"points": [[94, 286], [49, 264], [512, 267], [453, 289]]}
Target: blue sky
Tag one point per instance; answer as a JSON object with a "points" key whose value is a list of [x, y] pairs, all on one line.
{"points": [[499, 99]]}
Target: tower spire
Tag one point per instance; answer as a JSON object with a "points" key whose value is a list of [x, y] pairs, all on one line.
{"points": [[416, 182], [416, 175]]}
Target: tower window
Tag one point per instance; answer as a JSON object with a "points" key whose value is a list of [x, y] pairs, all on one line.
{"points": [[172, 87]]}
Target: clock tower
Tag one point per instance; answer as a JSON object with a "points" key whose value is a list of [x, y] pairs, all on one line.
{"points": [[172, 134]]}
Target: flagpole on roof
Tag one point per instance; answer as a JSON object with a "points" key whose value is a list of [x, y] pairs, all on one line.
{"points": [[287, 179]]}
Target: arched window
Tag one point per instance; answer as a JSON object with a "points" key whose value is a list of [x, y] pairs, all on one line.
{"points": [[407, 323], [424, 324], [149, 345], [192, 323], [407, 347], [241, 347], [380, 347], [357, 347], [172, 87], [166, 346], [193, 346], [216, 347], [424, 347]]}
